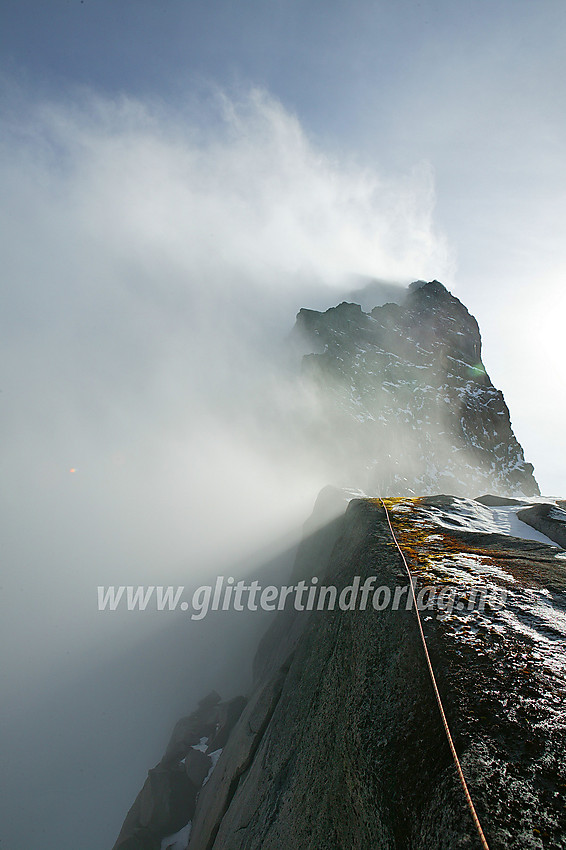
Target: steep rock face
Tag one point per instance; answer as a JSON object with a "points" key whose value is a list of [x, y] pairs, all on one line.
{"points": [[342, 746], [404, 404]]}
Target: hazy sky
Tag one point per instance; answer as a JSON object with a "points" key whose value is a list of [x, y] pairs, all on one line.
{"points": [[178, 178]]}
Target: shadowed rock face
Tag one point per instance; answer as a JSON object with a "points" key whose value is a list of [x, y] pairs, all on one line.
{"points": [[167, 800], [549, 519], [341, 743], [404, 403]]}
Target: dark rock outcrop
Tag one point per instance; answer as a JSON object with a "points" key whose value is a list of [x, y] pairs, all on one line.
{"points": [[498, 501], [168, 798], [548, 519], [189, 730], [404, 404], [163, 806], [197, 767]]}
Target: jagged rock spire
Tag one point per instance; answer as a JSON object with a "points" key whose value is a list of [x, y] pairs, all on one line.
{"points": [[404, 404]]}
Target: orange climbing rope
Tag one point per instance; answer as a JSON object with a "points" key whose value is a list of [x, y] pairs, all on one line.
{"points": [[469, 801]]}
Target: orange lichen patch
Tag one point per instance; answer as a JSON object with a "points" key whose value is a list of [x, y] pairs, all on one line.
{"points": [[429, 547], [427, 544]]}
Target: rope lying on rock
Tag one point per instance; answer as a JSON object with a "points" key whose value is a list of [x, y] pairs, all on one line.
{"points": [[436, 691]]}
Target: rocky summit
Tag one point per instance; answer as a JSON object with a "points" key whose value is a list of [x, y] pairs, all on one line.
{"points": [[403, 403]]}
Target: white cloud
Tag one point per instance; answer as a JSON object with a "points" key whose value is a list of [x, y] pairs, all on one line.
{"points": [[153, 261]]}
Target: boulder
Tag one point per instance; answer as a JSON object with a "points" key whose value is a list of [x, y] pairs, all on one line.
{"points": [[491, 501], [197, 766], [548, 519], [202, 723], [165, 804]]}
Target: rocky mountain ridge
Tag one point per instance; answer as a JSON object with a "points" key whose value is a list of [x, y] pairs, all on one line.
{"points": [[339, 743]]}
